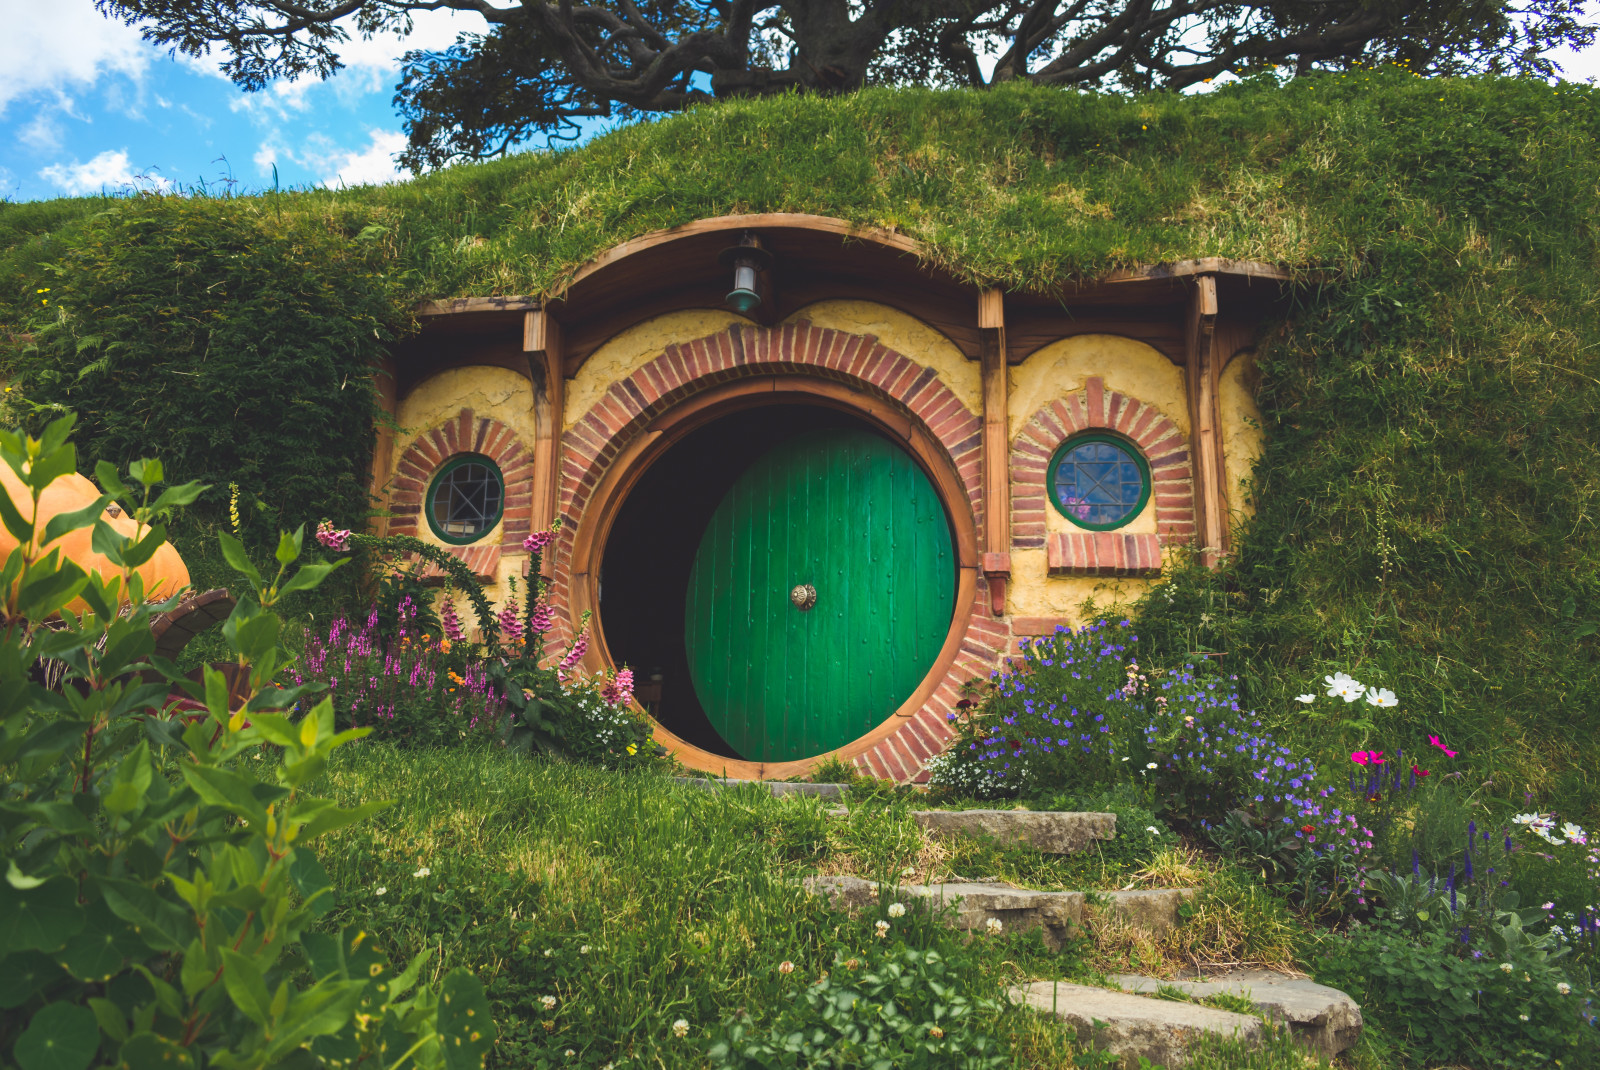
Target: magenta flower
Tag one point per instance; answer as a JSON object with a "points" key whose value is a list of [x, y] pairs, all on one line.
{"points": [[618, 691], [333, 538], [575, 655], [510, 621], [541, 619], [451, 623], [536, 542]]}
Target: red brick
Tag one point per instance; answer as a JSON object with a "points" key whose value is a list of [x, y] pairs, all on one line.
{"points": [[1095, 389], [464, 429], [1169, 459], [1114, 409], [1077, 418], [1143, 414]]}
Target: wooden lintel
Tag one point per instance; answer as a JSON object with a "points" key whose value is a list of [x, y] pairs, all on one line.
{"points": [[1203, 373], [386, 383], [996, 447], [541, 340]]}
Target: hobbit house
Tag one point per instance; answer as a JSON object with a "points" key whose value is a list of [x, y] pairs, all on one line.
{"points": [[809, 486]]}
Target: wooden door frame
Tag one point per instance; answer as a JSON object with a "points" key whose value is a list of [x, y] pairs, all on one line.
{"points": [[637, 457]]}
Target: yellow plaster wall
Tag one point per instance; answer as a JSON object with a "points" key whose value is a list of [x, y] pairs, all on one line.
{"points": [[1059, 370], [497, 393], [1242, 437], [906, 335], [635, 347], [1127, 366]]}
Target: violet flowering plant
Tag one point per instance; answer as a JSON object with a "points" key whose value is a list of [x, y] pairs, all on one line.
{"points": [[1077, 712]]}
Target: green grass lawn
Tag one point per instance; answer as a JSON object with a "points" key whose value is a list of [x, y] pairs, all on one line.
{"points": [[634, 902]]}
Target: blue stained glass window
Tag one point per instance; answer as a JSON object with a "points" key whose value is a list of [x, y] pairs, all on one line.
{"points": [[1098, 482]]}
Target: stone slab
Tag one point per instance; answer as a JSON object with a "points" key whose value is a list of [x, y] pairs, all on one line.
{"points": [[1155, 910], [1057, 914], [777, 787], [1136, 1027], [1056, 832], [1323, 1019]]}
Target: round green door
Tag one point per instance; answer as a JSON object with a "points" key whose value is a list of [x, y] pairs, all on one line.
{"points": [[849, 515]]}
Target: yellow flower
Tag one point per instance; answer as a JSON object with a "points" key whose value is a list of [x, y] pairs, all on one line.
{"points": [[632, 749]]}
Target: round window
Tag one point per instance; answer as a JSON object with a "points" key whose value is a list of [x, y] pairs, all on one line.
{"points": [[465, 499], [1098, 482]]}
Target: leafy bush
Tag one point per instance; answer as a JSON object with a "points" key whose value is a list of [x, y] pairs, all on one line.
{"points": [[902, 1009], [1502, 1004], [161, 886], [241, 340]]}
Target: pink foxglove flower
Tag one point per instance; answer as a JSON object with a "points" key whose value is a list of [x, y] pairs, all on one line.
{"points": [[575, 655], [333, 538], [618, 691], [451, 623], [536, 542], [511, 621], [541, 619]]}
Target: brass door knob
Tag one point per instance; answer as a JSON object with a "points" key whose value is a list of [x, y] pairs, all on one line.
{"points": [[803, 597]]}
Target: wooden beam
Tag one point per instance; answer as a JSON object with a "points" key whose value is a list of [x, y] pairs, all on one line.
{"points": [[541, 340], [385, 383], [1203, 374], [996, 447]]}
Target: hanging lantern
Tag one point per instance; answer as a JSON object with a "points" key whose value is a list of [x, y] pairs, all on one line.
{"points": [[748, 259]]}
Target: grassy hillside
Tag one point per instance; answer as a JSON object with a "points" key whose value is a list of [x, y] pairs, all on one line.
{"points": [[1428, 499]]}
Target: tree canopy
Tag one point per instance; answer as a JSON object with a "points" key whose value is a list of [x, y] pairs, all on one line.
{"points": [[540, 65]]}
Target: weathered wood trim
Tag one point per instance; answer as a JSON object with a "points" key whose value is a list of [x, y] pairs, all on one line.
{"points": [[996, 447], [1203, 375], [542, 342], [455, 306]]}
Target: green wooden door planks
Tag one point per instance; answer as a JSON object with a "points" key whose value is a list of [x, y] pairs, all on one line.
{"points": [[852, 515]]}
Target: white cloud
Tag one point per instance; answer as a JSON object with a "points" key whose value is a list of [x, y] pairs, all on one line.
{"points": [[108, 171], [372, 165], [50, 48]]}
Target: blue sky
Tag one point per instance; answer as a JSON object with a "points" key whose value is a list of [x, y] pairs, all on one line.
{"points": [[86, 105]]}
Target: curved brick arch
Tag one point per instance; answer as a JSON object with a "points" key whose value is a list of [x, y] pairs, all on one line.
{"points": [[466, 433], [590, 447], [1094, 408]]}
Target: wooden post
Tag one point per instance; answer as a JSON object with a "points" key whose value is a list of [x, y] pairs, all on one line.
{"points": [[1203, 376], [385, 386], [541, 340], [996, 447]]}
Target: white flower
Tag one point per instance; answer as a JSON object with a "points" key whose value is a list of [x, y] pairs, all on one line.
{"points": [[1305, 698], [570, 1053], [1574, 834], [1381, 696], [423, 872], [1150, 765], [1506, 967], [993, 926], [897, 910], [584, 950], [882, 928], [547, 1002], [1563, 988], [1124, 759], [1152, 830], [1342, 685], [909, 871], [381, 889], [1522, 1017], [680, 1028], [547, 952]]}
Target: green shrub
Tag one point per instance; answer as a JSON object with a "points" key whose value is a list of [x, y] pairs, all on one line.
{"points": [[161, 886]]}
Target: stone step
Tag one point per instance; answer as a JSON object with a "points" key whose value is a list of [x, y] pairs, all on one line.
{"points": [[1056, 832], [1056, 914], [1322, 1019], [1136, 1027], [776, 787]]}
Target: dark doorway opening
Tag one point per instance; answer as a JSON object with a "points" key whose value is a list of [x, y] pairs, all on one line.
{"points": [[644, 572]]}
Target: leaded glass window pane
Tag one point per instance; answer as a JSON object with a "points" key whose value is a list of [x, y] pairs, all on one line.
{"points": [[1098, 482], [466, 501]]}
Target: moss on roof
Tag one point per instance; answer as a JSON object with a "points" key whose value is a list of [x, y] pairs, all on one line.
{"points": [[1429, 496]]}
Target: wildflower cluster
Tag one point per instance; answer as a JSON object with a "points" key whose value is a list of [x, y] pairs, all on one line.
{"points": [[1079, 713]]}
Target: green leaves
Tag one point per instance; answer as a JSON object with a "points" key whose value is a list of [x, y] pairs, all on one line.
{"points": [[466, 1030], [60, 1037], [41, 918]]}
